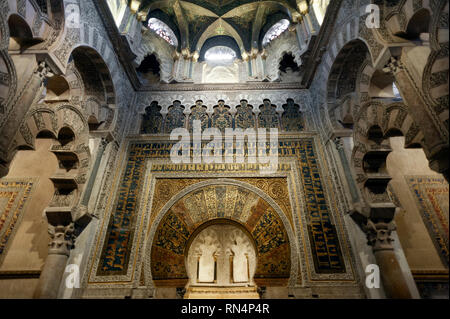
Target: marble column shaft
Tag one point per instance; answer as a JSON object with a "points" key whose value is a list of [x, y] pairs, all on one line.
{"points": [[379, 237], [62, 242]]}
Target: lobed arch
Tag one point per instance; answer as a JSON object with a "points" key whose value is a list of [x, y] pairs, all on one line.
{"points": [[390, 120], [163, 52], [160, 216], [285, 44], [57, 121]]}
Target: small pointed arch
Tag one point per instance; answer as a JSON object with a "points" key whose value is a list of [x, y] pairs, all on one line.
{"points": [[220, 28]]}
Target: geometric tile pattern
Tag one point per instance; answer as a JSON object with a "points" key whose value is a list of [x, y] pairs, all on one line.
{"points": [[14, 195], [431, 194], [324, 240]]}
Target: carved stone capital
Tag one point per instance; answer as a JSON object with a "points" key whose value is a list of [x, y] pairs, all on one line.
{"points": [[44, 71], [104, 142], [339, 143], [379, 235], [62, 239], [394, 66]]}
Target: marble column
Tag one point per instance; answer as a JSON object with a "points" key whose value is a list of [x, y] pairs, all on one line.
{"points": [[435, 140], [347, 170], [379, 237], [98, 158], [62, 241]]}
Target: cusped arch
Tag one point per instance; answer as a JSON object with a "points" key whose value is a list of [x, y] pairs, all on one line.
{"points": [[389, 118], [161, 49], [53, 119], [173, 210], [284, 44]]}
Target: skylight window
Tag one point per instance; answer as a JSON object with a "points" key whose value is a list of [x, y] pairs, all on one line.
{"points": [[163, 30], [396, 92], [275, 31], [220, 55]]}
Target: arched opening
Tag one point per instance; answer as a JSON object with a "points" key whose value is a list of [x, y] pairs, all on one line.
{"points": [[57, 89], [220, 55], [290, 71], [418, 27], [93, 123], [21, 36], [342, 84], [43, 6], [248, 222], [66, 136], [221, 255], [375, 134], [382, 85], [149, 71], [88, 68]]}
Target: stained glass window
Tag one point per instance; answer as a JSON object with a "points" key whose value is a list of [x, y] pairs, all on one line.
{"points": [[275, 31], [163, 30]]}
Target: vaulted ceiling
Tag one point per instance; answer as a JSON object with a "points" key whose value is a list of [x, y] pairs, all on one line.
{"points": [[198, 20]]}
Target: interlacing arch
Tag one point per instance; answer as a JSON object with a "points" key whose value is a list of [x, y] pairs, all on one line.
{"points": [[426, 23], [374, 125]]}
